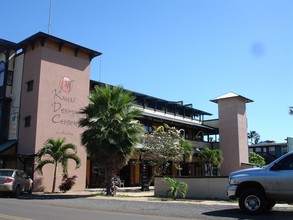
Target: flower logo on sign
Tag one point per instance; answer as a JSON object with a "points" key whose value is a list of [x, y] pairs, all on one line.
{"points": [[65, 84]]}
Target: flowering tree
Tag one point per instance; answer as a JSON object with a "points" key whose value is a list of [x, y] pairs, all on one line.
{"points": [[163, 146]]}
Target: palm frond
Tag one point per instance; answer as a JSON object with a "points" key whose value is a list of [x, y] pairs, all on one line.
{"points": [[42, 163]]}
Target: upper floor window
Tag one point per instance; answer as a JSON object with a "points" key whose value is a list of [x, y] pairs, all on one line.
{"points": [[27, 121], [257, 149], [9, 78], [272, 150], [2, 70], [30, 85]]}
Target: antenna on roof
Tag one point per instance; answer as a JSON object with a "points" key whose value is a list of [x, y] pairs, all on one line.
{"points": [[50, 12], [100, 71]]}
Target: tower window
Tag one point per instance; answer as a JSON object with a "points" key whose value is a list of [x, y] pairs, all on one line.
{"points": [[30, 85], [27, 121]]}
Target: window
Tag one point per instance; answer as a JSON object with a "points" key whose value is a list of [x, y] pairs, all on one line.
{"points": [[284, 149], [257, 149], [148, 129], [286, 163], [272, 150], [2, 70], [9, 78], [30, 85], [27, 121]]}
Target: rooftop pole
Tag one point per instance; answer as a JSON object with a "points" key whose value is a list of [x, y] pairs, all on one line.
{"points": [[50, 12]]}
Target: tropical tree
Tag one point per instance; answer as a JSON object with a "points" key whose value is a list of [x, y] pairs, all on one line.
{"points": [[211, 157], [163, 146], [111, 130], [253, 137], [176, 187], [291, 110], [256, 159], [56, 151]]}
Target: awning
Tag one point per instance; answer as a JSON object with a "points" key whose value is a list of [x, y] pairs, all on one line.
{"points": [[6, 145]]}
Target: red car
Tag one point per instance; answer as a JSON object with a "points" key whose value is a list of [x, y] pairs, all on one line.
{"points": [[15, 181]]}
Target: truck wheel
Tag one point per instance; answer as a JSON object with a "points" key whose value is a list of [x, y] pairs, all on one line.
{"points": [[252, 201]]}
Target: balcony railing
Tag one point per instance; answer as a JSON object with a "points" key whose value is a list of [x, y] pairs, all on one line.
{"points": [[168, 115]]}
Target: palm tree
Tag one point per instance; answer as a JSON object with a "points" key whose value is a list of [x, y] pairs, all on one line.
{"points": [[253, 136], [291, 110], [176, 187], [211, 157], [55, 152], [111, 130]]}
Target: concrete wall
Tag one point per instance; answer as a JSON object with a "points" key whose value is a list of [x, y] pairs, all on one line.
{"points": [[198, 187]]}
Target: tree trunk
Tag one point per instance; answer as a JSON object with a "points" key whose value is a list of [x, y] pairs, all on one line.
{"points": [[54, 178], [111, 187], [210, 169]]}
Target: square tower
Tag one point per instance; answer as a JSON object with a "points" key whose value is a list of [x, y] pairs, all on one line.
{"points": [[233, 131], [55, 86]]}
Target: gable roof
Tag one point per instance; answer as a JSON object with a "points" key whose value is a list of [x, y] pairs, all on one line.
{"points": [[231, 95]]}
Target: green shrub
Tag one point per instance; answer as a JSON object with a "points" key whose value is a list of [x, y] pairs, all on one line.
{"points": [[176, 187]]}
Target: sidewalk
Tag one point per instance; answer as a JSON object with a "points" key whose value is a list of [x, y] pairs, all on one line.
{"points": [[135, 194], [127, 191]]}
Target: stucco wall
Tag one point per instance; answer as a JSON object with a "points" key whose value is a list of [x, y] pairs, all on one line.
{"points": [[61, 89], [198, 187], [233, 134]]}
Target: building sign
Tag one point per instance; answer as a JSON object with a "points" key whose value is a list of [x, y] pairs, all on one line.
{"points": [[13, 124], [63, 106]]}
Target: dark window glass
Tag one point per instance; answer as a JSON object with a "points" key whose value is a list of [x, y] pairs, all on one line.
{"points": [[30, 85], [27, 121], [148, 129], [2, 68], [9, 78], [6, 173], [286, 163]]}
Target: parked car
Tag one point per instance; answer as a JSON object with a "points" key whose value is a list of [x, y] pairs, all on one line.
{"points": [[15, 181], [259, 189]]}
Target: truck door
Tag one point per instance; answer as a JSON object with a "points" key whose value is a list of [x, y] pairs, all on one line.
{"points": [[279, 180]]}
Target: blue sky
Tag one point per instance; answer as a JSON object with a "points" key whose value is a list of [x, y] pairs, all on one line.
{"points": [[189, 50]]}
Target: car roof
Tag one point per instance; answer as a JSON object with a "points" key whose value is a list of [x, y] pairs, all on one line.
{"points": [[9, 169]]}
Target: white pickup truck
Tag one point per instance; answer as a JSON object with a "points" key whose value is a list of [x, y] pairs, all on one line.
{"points": [[259, 189]]}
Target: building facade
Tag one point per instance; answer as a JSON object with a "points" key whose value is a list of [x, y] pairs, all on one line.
{"points": [[45, 81], [270, 150]]}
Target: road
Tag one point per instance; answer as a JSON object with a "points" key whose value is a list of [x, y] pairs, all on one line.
{"points": [[100, 208]]}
